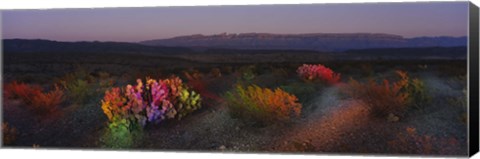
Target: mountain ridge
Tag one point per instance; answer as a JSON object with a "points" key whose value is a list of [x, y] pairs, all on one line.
{"points": [[308, 41], [13, 47], [43, 45]]}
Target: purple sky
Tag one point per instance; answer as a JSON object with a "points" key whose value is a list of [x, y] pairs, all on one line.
{"points": [[137, 24]]}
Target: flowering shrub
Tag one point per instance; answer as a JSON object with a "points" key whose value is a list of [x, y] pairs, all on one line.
{"points": [[37, 101], [418, 94], [21, 91], [189, 102], [150, 103], [382, 99], [9, 134], [390, 98], [318, 72], [47, 103], [200, 84], [263, 104], [175, 86]]}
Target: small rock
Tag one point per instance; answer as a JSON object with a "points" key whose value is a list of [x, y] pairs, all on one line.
{"points": [[392, 118], [222, 147], [237, 128]]}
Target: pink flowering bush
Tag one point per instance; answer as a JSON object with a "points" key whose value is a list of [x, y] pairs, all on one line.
{"points": [[152, 102], [318, 73]]}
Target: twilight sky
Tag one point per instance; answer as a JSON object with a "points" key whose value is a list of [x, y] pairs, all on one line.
{"points": [[137, 24]]}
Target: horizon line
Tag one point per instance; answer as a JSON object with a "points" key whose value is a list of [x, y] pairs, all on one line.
{"points": [[236, 34]]}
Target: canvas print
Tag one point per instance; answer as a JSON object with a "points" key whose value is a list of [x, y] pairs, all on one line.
{"points": [[371, 78]]}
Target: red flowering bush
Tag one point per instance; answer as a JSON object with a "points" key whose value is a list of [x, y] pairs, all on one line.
{"points": [[43, 103], [48, 103], [21, 91], [318, 72], [201, 84]]}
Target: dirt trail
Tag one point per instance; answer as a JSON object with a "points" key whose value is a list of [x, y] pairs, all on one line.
{"points": [[324, 133], [322, 130]]}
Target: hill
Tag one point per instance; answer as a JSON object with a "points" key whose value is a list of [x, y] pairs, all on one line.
{"points": [[314, 41]]}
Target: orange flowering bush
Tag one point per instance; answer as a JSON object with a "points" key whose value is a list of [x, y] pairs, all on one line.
{"points": [[263, 104], [47, 103], [318, 72], [383, 98]]}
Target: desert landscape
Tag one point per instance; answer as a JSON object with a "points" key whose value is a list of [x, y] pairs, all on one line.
{"points": [[301, 79], [353, 105]]}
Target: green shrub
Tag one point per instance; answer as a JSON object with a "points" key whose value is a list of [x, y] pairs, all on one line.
{"points": [[302, 90], [419, 96], [247, 73], [79, 90], [189, 102], [121, 134]]}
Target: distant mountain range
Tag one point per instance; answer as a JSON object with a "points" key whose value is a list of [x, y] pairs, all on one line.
{"points": [[42, 46], [316, 41], [19, 46]]}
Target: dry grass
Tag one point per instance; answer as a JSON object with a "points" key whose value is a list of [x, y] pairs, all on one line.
{"points": [[9, 134]]}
